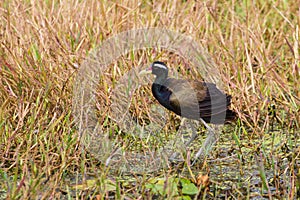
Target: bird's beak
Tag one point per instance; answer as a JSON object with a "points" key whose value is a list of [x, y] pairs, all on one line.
{"points": [[145, 71]]}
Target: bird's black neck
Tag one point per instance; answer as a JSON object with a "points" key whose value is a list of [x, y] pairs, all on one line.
{"points": [[162, 94], [159, 84], [160, 90]]}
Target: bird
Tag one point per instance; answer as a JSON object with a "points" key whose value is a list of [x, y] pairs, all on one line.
{"points": [[191, 99]]}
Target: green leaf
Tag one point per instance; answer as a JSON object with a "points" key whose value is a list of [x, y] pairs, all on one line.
{"points": [[185, 181], [189, 189], [186, 198]]}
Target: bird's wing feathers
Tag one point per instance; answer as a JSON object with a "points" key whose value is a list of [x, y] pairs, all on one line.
{"points": [[186, 93], [196, 96]]}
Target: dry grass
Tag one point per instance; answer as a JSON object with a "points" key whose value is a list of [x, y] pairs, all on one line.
{"points": [[254, 43]]}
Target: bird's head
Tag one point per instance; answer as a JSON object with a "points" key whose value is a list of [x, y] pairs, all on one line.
{"points": [[157, 68]]}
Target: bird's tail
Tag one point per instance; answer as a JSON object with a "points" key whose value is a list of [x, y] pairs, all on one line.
{"points": [[230, 114]]}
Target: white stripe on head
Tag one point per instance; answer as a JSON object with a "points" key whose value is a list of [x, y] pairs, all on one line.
{"points": [[160, 66]]}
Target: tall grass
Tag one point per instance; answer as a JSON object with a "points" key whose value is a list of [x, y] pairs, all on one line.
{"points": [[254, 43]]}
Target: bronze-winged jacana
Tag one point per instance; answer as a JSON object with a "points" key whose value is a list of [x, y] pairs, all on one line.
{"points": [[190, 99]]}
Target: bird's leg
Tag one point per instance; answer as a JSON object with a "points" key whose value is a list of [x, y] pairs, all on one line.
{"points": [[175, 154], [193, 137], [207, 126], [212, 137]]}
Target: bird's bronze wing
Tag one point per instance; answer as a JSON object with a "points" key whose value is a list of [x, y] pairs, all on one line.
{"points": [[215, 98], [194, 98], [186, 95]]}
